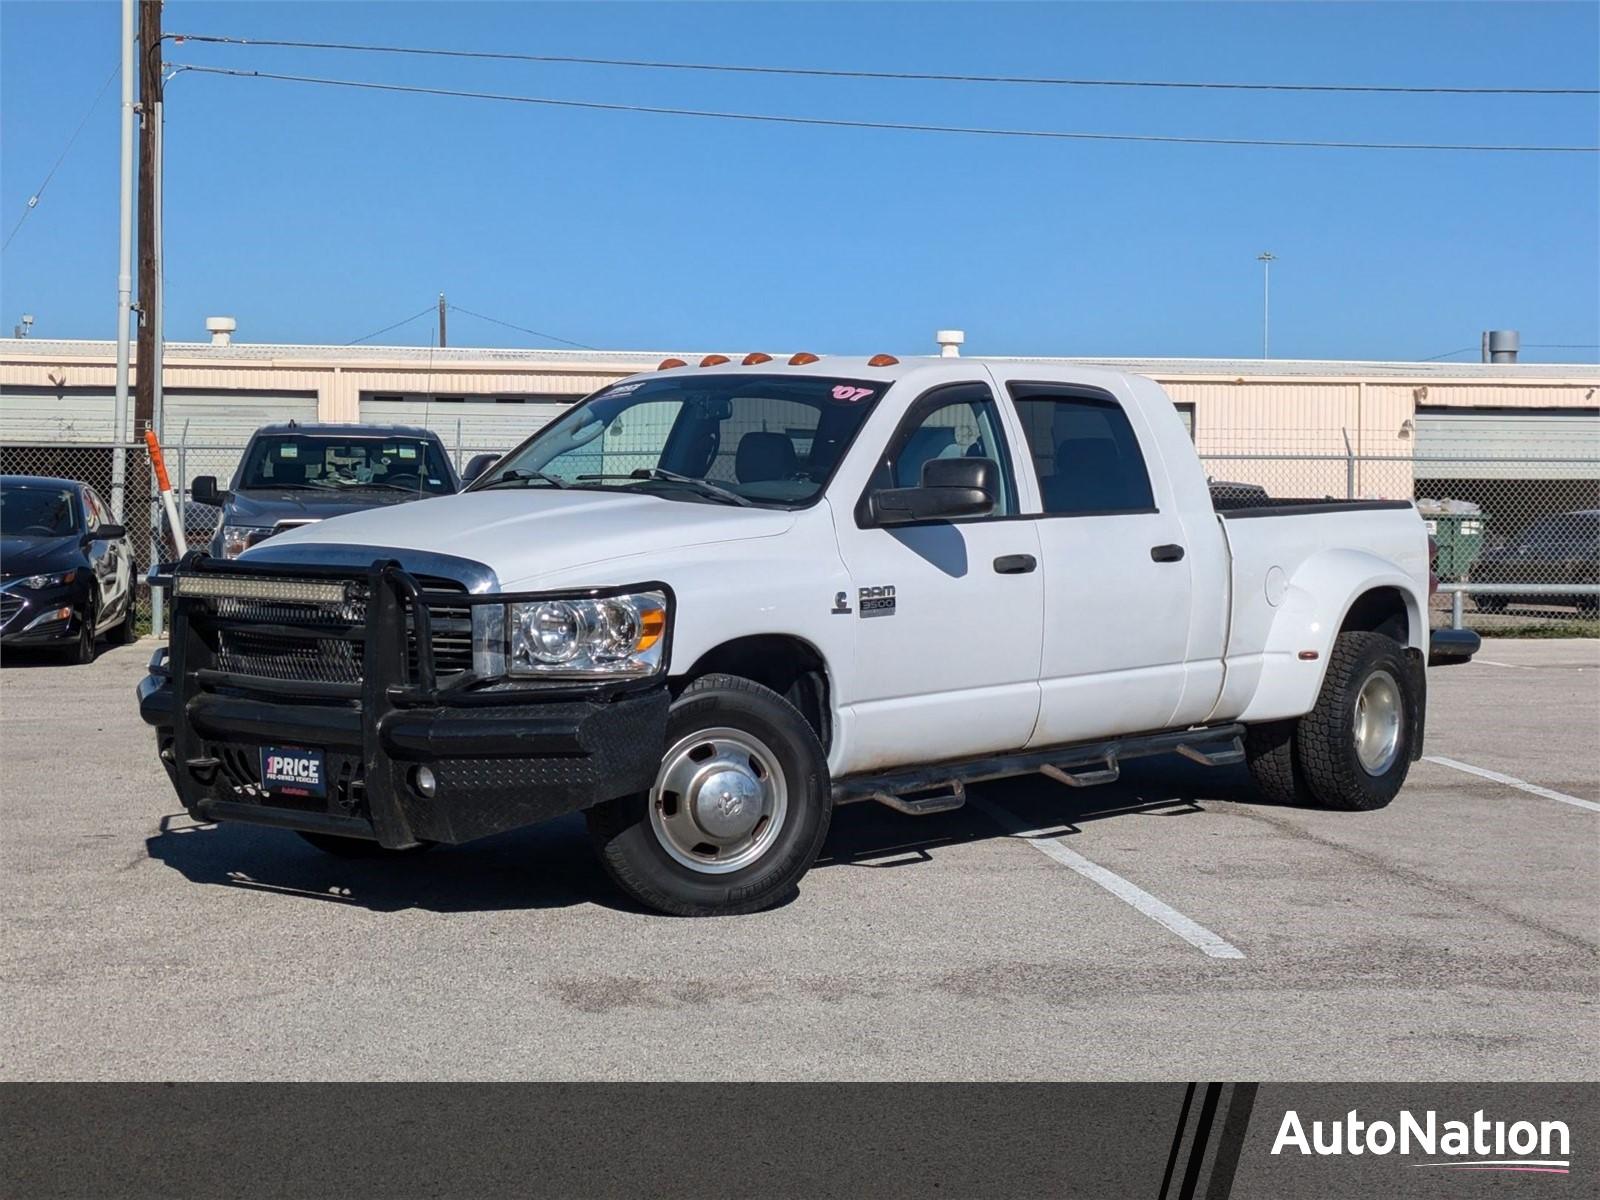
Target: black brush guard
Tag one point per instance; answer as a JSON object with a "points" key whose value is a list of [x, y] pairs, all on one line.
{"points": [[503, 754]]}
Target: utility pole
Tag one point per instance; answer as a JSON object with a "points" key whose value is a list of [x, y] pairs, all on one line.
{"points": [[124, 265], [144, 405], [1266, 258], [442, 306]]}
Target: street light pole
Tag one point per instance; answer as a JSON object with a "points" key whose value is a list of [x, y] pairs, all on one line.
{"points": [[1266, 258]]}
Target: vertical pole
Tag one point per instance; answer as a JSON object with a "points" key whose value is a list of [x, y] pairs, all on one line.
{"points": [[149, 265], [119, 454], [1266, 259], [1456, 606], [158, 344], [1266, 309], [443, 341], [1349, 467]]}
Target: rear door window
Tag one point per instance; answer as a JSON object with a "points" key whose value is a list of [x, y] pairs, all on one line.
{"points": [[1084, 451]]}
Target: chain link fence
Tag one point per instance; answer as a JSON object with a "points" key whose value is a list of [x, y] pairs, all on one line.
{"points": [[1500, 524], [1524, 530]]}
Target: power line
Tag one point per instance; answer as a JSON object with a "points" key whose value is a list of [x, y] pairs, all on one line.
{"points": [[33, 200], [549, 337], [901, 126], [387, 328], [921, 76]]}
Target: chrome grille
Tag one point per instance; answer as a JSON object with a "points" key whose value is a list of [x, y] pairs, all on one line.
{"points": [[10, 606]]}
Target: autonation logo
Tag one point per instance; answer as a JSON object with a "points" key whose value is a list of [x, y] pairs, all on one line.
{"points": [[1476, 1145]]}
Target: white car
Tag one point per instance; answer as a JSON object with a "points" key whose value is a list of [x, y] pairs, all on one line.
{"points": [[710, 603]]}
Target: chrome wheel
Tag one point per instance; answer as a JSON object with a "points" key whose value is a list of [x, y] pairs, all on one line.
{"points": [[1379, 717], [719, 800]]}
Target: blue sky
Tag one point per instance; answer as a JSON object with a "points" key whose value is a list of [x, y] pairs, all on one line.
{"points": [[319, 215]]}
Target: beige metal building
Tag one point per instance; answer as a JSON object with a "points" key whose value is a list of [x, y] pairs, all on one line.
{"points": [[1297, 427]]}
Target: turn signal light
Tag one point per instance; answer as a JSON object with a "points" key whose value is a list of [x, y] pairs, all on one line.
{"points": [[751, 360], [713, 360], [802, 359], [652, 624], [882, 360], [668, 363]]}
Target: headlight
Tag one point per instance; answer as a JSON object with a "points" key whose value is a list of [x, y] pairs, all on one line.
{"points": [[236, 539], [43, 581], [611, 635]]}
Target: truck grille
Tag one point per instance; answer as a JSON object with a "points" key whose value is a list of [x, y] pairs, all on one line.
{"points": [[296, 651], [314, 642], [451, 626]]}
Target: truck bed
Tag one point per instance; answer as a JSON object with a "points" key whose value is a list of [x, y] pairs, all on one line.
{"points": [[1238, 508]]}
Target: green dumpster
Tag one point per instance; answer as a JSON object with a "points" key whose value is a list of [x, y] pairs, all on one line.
{"points": [[1459, 538]]}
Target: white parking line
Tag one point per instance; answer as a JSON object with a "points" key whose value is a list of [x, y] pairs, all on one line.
{"points": [[1509, 781], [1045, 841]]}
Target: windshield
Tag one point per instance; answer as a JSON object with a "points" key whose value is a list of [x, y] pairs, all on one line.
{"points": [[37, 512], [769, 440], [342, 463]]}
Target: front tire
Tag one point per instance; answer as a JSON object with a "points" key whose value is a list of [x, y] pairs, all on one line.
{"points": [[126, 631], [80, 651], [1354, 747], [738, 813]]}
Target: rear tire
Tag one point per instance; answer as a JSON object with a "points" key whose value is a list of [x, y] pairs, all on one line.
{"points": [[126, 632], [1490, 604], [349, 847], [739, 812], [1354, 747], [1270, 753]]}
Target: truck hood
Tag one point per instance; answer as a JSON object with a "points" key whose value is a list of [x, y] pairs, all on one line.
{"points": [[268, 506], [522, 534]]}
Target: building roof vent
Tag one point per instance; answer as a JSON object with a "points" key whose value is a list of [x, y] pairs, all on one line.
{"points": [[1501, 346], [221, 330]]}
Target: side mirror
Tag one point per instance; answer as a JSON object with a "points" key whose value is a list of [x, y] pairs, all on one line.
{"points": [[477, 465], [109, 533], [951, 488], [204, 490]]}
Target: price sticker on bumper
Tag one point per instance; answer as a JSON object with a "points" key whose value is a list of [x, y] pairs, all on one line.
{"points": [[293, 772]]}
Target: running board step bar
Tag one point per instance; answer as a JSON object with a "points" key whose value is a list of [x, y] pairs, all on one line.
{"points": [[945, 798], [1109, 773], [1082, 764], [1214, 755]]}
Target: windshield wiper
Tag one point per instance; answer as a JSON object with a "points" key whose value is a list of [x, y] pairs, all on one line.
{"points": [[518, 477], [393, 487], [704, 486]]}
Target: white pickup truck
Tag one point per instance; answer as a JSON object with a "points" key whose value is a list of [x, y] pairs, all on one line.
{"points": [[709, 603]]}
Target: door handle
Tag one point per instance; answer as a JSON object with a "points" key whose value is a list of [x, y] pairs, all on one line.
{"points": [[1168, 553], [1015, 564]]}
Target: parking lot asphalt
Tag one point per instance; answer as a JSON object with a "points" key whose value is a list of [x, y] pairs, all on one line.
{"points": [[1453, 935]]}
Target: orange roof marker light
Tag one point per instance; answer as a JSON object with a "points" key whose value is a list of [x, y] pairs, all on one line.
{"points": [[751, 360], [668, 363], [713, 360], [883, 360], [803, 359]]}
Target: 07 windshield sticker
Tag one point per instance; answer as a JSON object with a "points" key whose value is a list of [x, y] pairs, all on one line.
{"points": [[623, 389], [846, 394]]}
